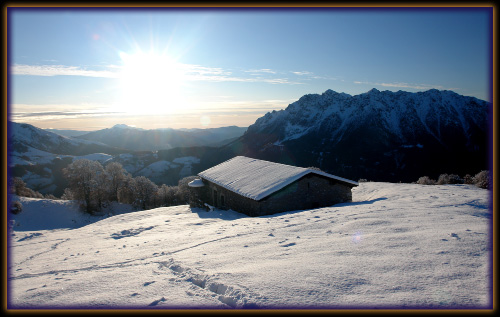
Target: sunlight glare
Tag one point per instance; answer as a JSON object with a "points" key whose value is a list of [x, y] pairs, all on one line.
{"points": [[150, 84]]}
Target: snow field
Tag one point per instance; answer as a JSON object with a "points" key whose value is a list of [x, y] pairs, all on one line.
{"points": [[394, 246]]}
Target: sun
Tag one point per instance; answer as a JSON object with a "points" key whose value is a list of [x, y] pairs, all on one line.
{"points": [[150, 83]]}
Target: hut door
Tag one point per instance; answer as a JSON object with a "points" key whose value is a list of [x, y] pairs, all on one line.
{"points": [[215, 198]]}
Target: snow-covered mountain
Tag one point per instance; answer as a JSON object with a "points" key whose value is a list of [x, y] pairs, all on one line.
{"points": [[378, 135], [68, 133], [24, 136], [136, 139]]}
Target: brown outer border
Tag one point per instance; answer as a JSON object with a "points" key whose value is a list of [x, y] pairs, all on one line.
{"points": [[493, 164]]}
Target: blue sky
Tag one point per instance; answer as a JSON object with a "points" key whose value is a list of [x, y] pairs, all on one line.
{"points": [[89, 69]]}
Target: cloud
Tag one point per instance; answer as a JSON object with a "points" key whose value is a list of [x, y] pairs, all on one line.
{"points": [[402, 85], [60, 70], [302, 73], [40, 112], [197, 70], [262, 70], [191, 72], [60, 114], [223, 78]]}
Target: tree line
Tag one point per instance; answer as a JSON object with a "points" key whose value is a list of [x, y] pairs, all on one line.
{"points": [[95, 187], [481, 180]]}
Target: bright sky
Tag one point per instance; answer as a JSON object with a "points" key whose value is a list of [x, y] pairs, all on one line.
{"points": [[88, 69]]}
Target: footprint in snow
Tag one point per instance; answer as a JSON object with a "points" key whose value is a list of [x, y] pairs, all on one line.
{"points": [[156, 302], [148, 283], [30, 236]]}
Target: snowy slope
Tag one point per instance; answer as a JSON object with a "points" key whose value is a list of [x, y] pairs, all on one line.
{"points": [[394, 246], [46, 214], [156, 168]]}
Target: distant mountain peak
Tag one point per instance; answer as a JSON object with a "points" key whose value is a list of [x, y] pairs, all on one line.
{"points": [[123, 126]]}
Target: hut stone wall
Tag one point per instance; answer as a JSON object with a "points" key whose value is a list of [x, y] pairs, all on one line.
{"points": [[311, 191]]}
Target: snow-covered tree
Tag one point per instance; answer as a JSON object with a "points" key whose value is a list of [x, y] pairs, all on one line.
{"points": [[16, 207], [482, 179], [101, 193], [125, 193], [183, 189], [426, 180], [165, 196], [116, 176], [144, 191], [449, 179], [19, 187], [84, 183], [468, 179]]}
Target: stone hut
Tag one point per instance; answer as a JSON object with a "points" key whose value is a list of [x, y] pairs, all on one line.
{"points": [[256, 187]]}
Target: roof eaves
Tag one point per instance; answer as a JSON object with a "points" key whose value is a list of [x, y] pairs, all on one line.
{"points": [[344, 180]]}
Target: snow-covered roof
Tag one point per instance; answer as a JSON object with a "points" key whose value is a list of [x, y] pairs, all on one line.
{"points": [[257, 179], [196, 183]]}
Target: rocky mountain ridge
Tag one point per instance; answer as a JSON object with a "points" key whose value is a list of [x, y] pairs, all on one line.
{"points": [[378, 135]]}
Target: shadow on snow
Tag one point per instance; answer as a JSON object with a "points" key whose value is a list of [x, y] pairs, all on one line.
{"points": [[234, 215]]}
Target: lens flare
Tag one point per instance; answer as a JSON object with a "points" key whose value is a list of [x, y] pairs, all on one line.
{"points": [[356, 238], [205, 121]]}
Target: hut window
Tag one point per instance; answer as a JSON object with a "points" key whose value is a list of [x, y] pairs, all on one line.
{"points": [[215, 198], [222, 203]]}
